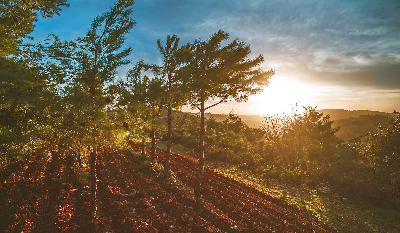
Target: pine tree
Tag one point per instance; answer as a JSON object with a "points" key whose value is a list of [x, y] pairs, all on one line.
{"points": [[143, 98], [174, 58], [91, 63], [221, 73]]}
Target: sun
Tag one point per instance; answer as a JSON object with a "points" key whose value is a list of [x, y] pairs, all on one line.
{"points": [[283, 95]]}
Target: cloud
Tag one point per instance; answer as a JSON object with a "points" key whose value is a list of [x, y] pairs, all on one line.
{"points": [[352, 44]]}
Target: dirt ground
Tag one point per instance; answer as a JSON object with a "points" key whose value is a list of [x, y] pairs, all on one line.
{"points": [[51, 194]]}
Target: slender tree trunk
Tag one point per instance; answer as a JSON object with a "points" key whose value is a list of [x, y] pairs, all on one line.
{"points": [[80, 158], [143, 145], [201, 155], [93, 182], [93, 177], [169, 136], [153, 140], [93, 155], [169, 142]]}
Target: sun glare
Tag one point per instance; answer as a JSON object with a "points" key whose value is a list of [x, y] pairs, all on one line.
{"points": [[283, 95]]}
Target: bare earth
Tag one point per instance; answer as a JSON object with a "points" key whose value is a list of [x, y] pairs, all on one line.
{"points": [[46, 195]]}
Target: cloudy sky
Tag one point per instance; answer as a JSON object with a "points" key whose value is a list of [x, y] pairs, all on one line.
{"points": [[326, 53]]}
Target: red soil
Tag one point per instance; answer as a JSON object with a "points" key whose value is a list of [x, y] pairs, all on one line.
{"points": [[44, 195]]}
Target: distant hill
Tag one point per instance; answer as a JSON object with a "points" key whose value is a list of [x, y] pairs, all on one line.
{"points": [[254, 121], [337, 114], [355, 127], [357, 123]]}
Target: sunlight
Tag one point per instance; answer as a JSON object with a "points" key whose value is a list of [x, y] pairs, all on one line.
{"points": [[283, 95], [122, 135]]}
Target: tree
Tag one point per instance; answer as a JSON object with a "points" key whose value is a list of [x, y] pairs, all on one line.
{"points": [[25, 90], [25, 97], [382, 150], [143, 98], [304, 145], [173, 59], [221, 73], [91, 63]]}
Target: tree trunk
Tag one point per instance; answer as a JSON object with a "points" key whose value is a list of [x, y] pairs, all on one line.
{"points": [[153, 141], [169, 142], [143, 146], [93, 183], [169, 119], [200, 171]]}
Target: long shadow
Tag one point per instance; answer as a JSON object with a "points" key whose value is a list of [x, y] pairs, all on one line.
{"points": [[20, 194]]}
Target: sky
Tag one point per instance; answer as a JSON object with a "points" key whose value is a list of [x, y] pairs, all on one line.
{"points": [[329, 54]]}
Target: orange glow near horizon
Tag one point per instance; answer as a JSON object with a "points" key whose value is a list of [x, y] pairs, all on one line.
{"points": [[286, 94], [283, 95]]}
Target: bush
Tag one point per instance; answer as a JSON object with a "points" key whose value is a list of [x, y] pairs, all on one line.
{"points": [[223, 155]]}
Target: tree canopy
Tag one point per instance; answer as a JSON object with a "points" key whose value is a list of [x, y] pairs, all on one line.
{"points": [[17, 20]]}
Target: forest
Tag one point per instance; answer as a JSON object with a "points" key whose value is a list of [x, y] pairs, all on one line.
{"points": [[81, 149]]}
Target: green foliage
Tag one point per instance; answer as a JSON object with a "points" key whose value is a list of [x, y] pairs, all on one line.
{"points": [[25, 108], [186, 130], [17, 20], [223, 72], [174, 58], [26, 94], [229, 141], [303, 148], [90, 64], [304, 144], [382, 150]]}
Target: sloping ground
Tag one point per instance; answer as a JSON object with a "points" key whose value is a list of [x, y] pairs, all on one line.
{"points": [[45, 195]]}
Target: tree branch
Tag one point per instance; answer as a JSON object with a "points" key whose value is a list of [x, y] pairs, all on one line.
{"points": [[221, 101], [194, 105]]}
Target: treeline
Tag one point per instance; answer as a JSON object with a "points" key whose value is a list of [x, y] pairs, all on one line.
{"points": [[305, 148]]}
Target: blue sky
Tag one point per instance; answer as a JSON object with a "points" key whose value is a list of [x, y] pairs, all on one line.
{"points": [[329, 54]]}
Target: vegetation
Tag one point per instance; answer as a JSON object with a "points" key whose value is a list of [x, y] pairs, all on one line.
{"points": [[221, 73], [66, 124], [356, 128], [351, 186], [173, 60]]}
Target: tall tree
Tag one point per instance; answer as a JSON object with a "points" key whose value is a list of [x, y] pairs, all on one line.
{"points": [[174, 58], [92, 63], [143, 98], [221, 73]]}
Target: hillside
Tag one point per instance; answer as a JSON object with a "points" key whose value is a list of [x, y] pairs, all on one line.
{"points": [[355, 124], [254, 121], [47, 195], [355, 127], [337, 114]]}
